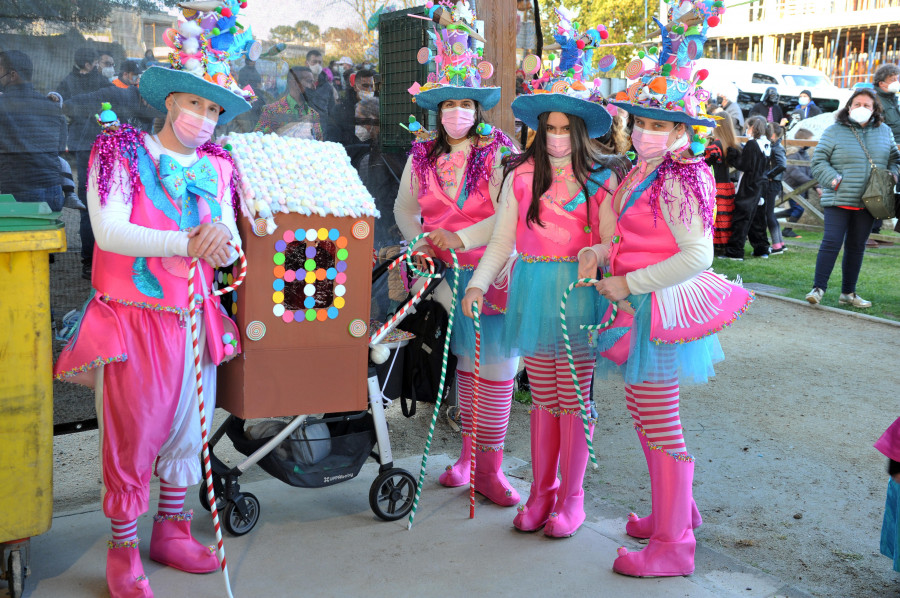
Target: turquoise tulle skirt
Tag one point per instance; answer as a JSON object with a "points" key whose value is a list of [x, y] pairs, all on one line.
{"points": [[890, 527], [462, 338], [691, 363], [532, 323]]}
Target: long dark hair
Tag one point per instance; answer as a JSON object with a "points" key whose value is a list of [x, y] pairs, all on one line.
{"points": [[441, 144], [843, 115], [586, 160]]}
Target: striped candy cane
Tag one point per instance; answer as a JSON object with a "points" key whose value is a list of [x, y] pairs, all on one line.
{"points": [[193, 300], [477, 320], [571, 359], [379, 334], [437, 403]]}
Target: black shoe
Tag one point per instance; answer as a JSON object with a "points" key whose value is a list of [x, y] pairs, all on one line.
{"points": [[86, 271], [789, 233]]}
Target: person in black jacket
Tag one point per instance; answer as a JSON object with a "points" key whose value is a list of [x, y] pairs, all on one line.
{"points": [[794, 176], [363, 88], [84, 77], [768, 107], [772, 189], [753, 162]]}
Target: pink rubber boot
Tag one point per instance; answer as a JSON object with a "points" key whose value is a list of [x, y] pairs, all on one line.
{"points": [[458, 473], [642, 527], [568, 514], [172, 544], [124, 571], [671, 548], [544, 460], [489, 478]]}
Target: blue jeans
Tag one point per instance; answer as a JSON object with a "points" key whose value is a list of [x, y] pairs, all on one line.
{"points": [[849, 228], [52, 195]]}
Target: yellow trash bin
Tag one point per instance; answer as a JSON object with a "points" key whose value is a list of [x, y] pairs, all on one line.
{"points": [[26, 393]]}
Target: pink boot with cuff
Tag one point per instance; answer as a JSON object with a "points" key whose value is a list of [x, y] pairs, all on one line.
{"points": [[172, 544]]}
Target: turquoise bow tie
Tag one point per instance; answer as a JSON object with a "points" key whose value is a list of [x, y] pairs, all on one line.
{"points": [[200, 179]]}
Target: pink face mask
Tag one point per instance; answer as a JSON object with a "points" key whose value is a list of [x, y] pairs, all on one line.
{"points": [[559, 146], [653, 144], [191, 129], [457, 121]]}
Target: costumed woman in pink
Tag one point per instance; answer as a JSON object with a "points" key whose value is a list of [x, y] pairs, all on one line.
{"points": [[670, 306], [549, 209], [156, 202], [449, 188]]}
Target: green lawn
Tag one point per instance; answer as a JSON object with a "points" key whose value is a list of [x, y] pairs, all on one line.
{"points": [[879, 279]]}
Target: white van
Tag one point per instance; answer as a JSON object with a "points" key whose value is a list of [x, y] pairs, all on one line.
{"points": [[753, 78]]}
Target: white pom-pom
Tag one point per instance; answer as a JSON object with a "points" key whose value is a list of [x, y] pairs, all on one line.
{"points": [[379, 354], [190, 45], [190, 29], [192, 65]]}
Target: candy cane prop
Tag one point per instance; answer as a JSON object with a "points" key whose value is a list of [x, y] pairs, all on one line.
{"points": [[437, 403], [571, 359], [379, 334], [477, 320], [195, 341]]}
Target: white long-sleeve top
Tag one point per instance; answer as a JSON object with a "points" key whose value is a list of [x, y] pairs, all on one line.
{"points": [[408, 212], [113, 230], [503, 238], [695, 249]]}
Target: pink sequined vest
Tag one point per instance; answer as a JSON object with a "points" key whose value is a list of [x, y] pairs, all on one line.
{"points": [[439, 210], [155, 282], [563, 233], [639, 241]]}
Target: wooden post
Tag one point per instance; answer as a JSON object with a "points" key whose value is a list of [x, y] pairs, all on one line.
{"points": [[500, 50]]}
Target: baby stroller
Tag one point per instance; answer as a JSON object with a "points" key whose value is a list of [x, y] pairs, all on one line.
{"points": [[313, 451]]}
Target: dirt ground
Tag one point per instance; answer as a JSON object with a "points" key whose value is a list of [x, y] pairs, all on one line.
{"points": [[786, 476]]}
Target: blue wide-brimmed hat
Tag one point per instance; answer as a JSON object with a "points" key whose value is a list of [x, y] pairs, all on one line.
{"points": [[158, 82], [674, 116], [459, 66], [487, 97], [205, 41], [528, 109]]}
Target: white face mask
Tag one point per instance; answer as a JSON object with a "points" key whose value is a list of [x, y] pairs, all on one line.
{"points": [[362, 133], [803, 100], [894, 87], [316, 69], [365, 95], [109, 72], [860, 115]]}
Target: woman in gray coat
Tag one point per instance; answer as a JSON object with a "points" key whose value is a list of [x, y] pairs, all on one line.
{"points": [[841, 167]]}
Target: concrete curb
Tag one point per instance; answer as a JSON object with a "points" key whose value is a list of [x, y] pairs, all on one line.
{"points": [[834, 310]]}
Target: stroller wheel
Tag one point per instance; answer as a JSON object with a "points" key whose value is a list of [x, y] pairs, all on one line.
{"points": [[392, 493], [204, 500], [238, 524]]}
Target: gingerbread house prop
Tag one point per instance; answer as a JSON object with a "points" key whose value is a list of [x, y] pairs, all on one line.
{"points": [[303, 310]]}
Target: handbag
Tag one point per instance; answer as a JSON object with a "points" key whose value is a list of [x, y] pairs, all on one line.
{"points": [[878, 196]]}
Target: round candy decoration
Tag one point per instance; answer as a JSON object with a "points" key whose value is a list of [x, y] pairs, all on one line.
{"points": [[531, 64], [256, 330], [358, 328], [486, 69], [423, 55], [559, 87], [633, 90], [607, 63], [361, 229], [634, 69], [458, 48], [260, 227]]}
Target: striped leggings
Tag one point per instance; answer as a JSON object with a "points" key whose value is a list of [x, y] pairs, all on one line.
{"points": [[551, 382], [653, 405]]}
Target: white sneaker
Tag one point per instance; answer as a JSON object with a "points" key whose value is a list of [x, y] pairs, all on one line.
{"points": [[852, 299], [815, 296]]}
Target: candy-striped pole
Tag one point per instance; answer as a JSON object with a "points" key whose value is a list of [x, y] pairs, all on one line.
{"points": [[437, 403], [571, 359], [477, 320], [193, 300]]}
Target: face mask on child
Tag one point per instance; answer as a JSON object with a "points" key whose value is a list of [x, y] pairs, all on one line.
{"points": [[191, 129], [457, 121], [559, 146], [362, 133], [653, 144]]}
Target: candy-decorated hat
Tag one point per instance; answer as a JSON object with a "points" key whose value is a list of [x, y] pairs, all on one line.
{"points": [[568, 86], [205, 41], [459, 67], [666, 86]]}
